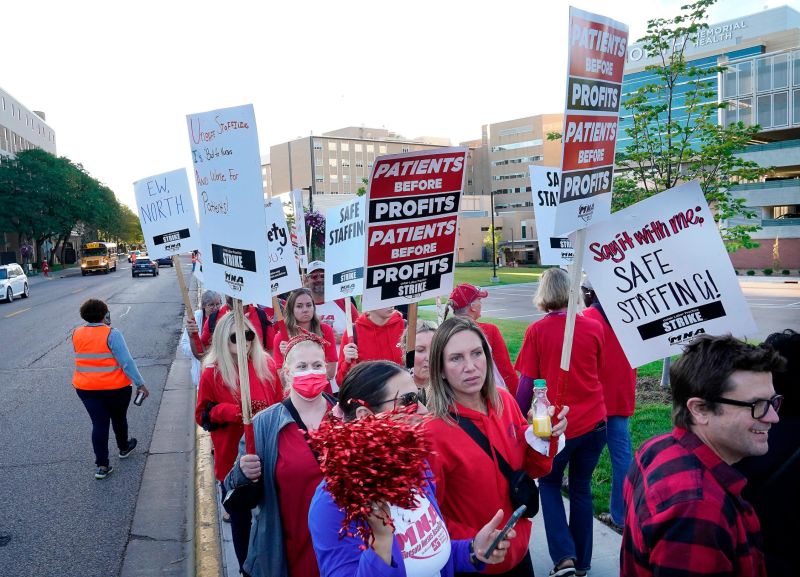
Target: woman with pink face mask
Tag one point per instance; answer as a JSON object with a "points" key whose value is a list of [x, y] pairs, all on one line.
{"points": [[285, 467]]}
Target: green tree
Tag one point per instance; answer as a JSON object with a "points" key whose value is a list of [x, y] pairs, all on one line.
{"points": [[362, 190], [487, 242], [674, 133]]}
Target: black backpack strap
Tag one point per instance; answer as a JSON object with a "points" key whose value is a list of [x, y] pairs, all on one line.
{"points": [[483, 442], [265, 323]]}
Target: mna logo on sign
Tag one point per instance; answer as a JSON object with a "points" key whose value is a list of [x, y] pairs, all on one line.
{"points": [[174, 247], [234, 281], [680, 339], [347, 289], [585, 212]]}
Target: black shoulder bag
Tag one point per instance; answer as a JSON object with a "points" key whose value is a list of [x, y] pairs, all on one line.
{"points": [[523, 489]]}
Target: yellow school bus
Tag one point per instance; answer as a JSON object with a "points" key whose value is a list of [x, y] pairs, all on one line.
{"points": [[98, 256]]}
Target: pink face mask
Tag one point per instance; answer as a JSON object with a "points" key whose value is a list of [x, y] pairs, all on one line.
{"points": [[309, 384]]}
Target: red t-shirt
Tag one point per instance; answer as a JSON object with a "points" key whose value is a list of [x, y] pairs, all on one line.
{"points": [[540, 358], [616, 374], [331, 355], [470, 487], [375, 343], [500, 356], [297, 476], [228, 411]]}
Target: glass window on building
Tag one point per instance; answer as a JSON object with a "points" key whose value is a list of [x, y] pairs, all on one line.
{"points": [[345, 147], [764, 74], [359, 147], [780, 71], [319, 178], [382, 149], [796, 107], [765, 111], [746, 111], [780, 109], [796, 67], [331, 147], [406, 149], [317, 145], [317, 161], [370, 148], [334, 164]]}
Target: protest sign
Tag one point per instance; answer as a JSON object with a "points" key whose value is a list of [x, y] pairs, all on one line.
{"points": [[284, 275], [412, 226], [292, 203], [227, 170], [166, 212], [597, 47], [344, 249], [545, 187], [655, 296]]}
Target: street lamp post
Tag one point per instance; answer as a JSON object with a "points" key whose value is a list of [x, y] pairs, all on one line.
{"points": [[310, 198], [494, 248]]}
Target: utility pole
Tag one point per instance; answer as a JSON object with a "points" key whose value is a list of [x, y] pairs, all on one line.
{"points": [[311, 187], [494, 248], [310, 198]]}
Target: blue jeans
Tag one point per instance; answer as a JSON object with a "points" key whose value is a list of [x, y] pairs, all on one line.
{"points": [[618, 439], [573, 540]]}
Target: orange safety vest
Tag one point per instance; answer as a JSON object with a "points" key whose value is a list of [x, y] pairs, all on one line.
{"points": [[96, 368]]}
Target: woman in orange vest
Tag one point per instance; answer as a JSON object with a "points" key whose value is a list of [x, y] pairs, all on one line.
{"points": [[104, 370]]}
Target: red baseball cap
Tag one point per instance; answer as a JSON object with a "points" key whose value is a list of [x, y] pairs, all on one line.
{"points": [[464, 294]]}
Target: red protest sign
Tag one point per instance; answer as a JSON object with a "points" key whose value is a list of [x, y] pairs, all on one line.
{"points": [[412, 226]]}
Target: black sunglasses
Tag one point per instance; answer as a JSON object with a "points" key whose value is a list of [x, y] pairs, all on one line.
{"points": [[405, 400], [248, 336], [758, 408]]}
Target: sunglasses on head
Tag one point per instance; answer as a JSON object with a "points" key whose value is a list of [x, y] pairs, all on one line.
{"points": [[248, 336]]}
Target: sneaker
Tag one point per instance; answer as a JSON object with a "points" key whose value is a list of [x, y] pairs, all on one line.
{"points": [[131, 446], [565, 571], [103, 472], [581, 573], [608, 520]]}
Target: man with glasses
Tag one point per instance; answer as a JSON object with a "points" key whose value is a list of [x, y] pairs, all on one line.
{"points": [[684, 508], [331, 312]]}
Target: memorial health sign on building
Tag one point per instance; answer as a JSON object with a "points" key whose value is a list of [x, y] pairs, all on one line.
{"points": [[545, 187], [412, 226], [655, 296], [230, 197], [344, 249], [597, 47], [166, 211]]}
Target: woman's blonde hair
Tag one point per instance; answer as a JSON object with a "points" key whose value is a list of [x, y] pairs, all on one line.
{"points": [[221, 358], [288, 314], [441, 398], [553, 292], [423, 326]]}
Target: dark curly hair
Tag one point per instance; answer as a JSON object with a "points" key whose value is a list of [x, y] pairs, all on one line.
{"points": [[94, 311]]}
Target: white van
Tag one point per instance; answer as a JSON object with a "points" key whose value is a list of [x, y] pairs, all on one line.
{"points": [[13, 282]]}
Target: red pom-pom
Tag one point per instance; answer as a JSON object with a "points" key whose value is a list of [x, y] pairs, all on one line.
{"points": [[377, 459]]}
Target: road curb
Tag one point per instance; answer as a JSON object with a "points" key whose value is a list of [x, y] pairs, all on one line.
{"points": [[208, 546], [162, 534]]}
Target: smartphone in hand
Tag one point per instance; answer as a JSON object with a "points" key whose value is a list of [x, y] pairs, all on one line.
{"points": [[504, 531], [139, 398]]}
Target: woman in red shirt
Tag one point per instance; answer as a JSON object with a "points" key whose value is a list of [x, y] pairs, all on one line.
{"points": [[570, 544], [470, 487], [300, 314], [286, 467], [219, 406]]}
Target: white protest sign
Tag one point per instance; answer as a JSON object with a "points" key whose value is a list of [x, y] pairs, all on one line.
{"points": [[663, 275], [230, 197], [344, 249], [597, 48], [412, 226], [284, 275], [293, 207], [166, 211], [545, 187]]}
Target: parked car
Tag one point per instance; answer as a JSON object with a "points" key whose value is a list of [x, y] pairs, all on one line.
{"points": [[165, 261], [144, 265], [133, 252], [789, 215], [13, 282]]}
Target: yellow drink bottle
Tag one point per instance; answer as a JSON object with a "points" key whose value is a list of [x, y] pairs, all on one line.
{"points": [[540, 408]]}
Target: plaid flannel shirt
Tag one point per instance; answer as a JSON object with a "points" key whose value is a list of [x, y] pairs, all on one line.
{"points": [[685, 514]]}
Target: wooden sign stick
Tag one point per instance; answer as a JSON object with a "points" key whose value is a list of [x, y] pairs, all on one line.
{"points": [[244, 376], [176, 261]]}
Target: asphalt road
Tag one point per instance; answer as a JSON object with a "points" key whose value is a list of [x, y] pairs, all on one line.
{"points": [[774, 304], [62, 522]]}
